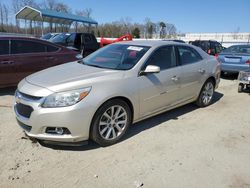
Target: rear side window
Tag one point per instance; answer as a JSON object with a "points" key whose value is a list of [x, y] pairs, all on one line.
{"points": [[87, 39], [188, 55], [4, 47], [51, 48], [218, 48], [163, 57], [22, 46]]}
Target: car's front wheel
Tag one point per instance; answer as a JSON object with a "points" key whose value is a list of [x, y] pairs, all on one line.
{"points": [[206, 94], [110, 122]]}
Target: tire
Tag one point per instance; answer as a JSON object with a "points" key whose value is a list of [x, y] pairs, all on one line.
{"points": [[110, 122], [206, 94], [240, 88]]}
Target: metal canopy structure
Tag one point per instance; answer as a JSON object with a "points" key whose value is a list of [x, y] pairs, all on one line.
{"points": [[50, 16]]}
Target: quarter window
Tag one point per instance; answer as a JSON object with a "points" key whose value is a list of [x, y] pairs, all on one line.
{"points": [[163, 57], [188, 55], [4, 47], [51, 48], [87, 39], [21, 46]]}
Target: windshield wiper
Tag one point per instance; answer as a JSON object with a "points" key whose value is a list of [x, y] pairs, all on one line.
{"points": [[94, 65]]}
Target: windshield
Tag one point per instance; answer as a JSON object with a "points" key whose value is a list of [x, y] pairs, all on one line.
{"points": [[47, 36], [61, 38], [116, 56], [238, 49]]}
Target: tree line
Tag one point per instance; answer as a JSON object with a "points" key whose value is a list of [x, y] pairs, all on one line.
{"points": [[147, 29]]}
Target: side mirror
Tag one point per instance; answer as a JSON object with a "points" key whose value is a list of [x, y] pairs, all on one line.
{"points": [[150, 69]]}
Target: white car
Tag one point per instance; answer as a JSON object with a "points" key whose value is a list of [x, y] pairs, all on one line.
{"points": [[122, 83]]}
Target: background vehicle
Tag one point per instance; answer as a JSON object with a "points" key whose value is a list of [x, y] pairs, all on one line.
{"points": [[85, 43], [21, 56], [104, 42], [244, 80], [210, 46], [49, 36], [235, 58], [113, 87]]}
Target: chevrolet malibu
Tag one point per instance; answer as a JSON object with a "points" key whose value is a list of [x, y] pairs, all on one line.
{"points": [[120, 84]]}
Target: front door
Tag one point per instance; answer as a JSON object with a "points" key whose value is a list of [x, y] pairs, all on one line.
{"points": [[159, 90]]}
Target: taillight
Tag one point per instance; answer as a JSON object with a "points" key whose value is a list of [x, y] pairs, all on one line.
{"points": [[217, 57], [248, 61]]}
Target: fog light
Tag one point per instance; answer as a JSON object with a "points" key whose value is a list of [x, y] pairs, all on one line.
{"points": [[59, 130]]}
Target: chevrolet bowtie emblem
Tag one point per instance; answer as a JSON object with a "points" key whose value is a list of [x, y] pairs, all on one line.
{"points": [[18, 97]]}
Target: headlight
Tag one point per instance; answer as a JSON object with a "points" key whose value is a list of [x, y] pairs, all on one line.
{"points": [[64, 99]]}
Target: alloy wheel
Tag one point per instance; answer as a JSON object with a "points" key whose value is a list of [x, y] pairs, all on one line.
{"points": [[113, 122], [207, 93]]}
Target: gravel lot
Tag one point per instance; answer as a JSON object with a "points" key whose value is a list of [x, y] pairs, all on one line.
{"points": [[185, 148]]}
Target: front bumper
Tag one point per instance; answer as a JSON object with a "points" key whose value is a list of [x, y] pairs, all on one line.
{"points": [[76, 119]]}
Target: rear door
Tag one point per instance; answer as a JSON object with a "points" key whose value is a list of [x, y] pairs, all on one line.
{"points": [[160, 90], [193, 71], [7, 71], [29, 57]]}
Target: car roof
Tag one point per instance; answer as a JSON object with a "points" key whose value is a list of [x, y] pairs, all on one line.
{"points": [[150, 43], [18, 37], [30, 39]]}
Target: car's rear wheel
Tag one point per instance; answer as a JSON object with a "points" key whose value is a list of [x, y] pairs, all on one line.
{"points": [[206, 94], [110, 122]]}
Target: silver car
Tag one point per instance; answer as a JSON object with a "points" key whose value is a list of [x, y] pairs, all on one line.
{"points": [[120, 84]]}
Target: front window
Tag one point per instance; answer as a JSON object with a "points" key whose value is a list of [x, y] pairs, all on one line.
{"points": [[163, 57], [116, 56]]}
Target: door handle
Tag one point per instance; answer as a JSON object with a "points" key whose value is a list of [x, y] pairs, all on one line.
{"points": [[174, 78], [7, 62], [202, 71], [50, 58]]}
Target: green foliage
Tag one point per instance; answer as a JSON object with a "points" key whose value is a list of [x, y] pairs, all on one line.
{"points": [[136, 33]]}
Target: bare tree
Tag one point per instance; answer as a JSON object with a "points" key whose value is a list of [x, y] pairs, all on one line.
{"points": [[6, 14], [162, 29], [51, 5], [126, 24], [85, 13], [16, 6], [1, 16]]}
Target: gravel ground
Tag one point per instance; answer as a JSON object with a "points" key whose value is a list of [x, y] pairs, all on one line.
{"points": [[187, 147]]}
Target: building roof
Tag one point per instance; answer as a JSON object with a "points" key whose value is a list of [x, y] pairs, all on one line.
{"points": [[45, 15]]}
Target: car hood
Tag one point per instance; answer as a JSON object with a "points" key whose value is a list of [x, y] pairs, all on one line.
{"points": [[71, 76]]}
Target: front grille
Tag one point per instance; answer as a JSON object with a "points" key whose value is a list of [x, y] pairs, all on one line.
{"points": [[29, 97], [25, 127], [24, 110]]}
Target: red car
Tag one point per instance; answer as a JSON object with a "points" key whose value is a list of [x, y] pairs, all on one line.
{"points": [[22, 56]]}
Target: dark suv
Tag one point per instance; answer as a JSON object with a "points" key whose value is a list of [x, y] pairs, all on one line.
{"points": [[212, 47], [21, 56], [85, 43]]}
